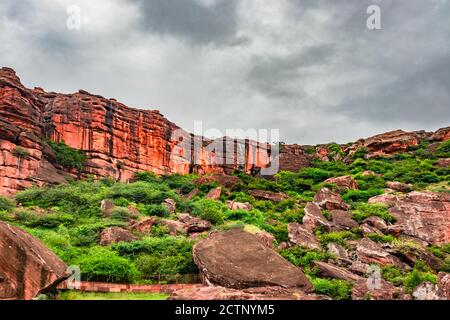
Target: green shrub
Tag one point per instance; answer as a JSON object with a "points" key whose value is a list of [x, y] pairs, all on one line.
{"points": [[409, 279], [150, 266], [157, 210], [366, 210], [6, 204], [339, 237], [86, 235], [51, 221], [66, 156], [336, 289], [304, 257], [361, 195], [360, 153], [120, 213], [104, 265], [443, 150], [210, 210], [381, 238]]}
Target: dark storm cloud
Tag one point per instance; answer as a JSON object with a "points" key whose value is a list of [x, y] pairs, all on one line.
{"points": [[309, 67], [191, 19]]}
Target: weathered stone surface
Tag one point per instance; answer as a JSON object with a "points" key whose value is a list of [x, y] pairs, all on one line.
{"points": [[192, 194], [386, 199], [265, 238], [428, 291], [443, 163], [171, 205], [367, 229], [328, 200], [444, 283], [268, 195], [237, 259], [383, 290], [343, 183], [194, 224], [175, 227], [369, 252], [424, 215], [360, 268], [331, 271], [314, 218], [115, 235], [376, 222], [145, 225], [260, 293], [398, 186], [338, 251], [234, 205], [107, 206], [303, 237], [214, 194], [342, 220], [27, 266]]}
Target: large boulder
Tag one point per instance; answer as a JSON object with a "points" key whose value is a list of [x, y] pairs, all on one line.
{"points": [[428, 291], [27, 266], [342, 220], [331, 271], [237, 259], [328, 200], [145, 225], [371, 252], [194, 224], [424, 215], [398, 186]]}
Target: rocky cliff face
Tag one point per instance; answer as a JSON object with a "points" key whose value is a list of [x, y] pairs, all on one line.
{"points": [[120, 141]]}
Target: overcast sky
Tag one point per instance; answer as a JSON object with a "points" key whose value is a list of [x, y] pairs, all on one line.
{"points": [[311, 68]]}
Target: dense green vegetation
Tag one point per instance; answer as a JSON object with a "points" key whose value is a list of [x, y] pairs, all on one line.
{"points": [[75, 295], [69, 220]]}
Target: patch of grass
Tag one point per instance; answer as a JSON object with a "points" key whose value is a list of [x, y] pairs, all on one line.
{"points": [[78, 295], [336, 289], [381, 238], [366, 210], [339, 237]]}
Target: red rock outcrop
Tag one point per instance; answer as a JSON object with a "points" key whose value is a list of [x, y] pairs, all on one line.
{"points": [[27, 266]]}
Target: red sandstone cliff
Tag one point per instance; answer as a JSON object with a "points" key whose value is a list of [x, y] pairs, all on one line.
{"points": [[120, 141]]}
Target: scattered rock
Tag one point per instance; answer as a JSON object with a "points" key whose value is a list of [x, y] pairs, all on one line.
{"points": [[359, 268], [192, 194], [338, 251], [260, 293], [268, 195], [107, 206], [214, 194], [443, 163], [376, 222], [175, 227], [27, 267], [366, 289], [428, 291], [314, 218], [386, 199], [115, 235], [133, 211], [194, 224], [233, 205], [303, 237], [367, 229], [343, 183], [369, 252], [328, 200], [171, 205], [237, 259], [398, 186], [342, 220], [331, 271], [144, 226]]}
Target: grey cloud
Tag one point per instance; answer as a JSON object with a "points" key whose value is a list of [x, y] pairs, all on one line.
{"points": [[191, 20]]}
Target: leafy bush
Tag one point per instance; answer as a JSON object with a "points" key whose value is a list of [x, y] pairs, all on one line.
{"points": [[150, 266], [443, 151], [366, 210], [210, 210], [103, 264], [86, 235], [66, 156], [381, 238], [336, 289], [339, 237], [153, 210], [304, 257], [120, 213], [6, 204], [409, 279], [360, 195]]}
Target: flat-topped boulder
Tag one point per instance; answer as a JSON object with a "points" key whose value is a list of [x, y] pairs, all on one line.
{"points": [[237, 259], [27, 266]]}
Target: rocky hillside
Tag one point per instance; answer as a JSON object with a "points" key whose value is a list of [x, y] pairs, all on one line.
{"points": [[92, 183], [46, 137]]}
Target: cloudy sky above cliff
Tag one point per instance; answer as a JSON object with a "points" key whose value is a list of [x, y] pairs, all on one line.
{"points": [[311, 68]]}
